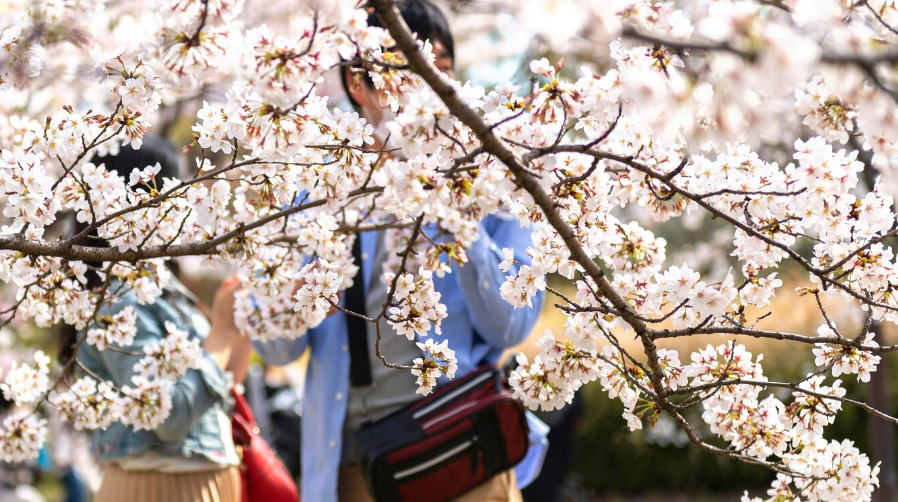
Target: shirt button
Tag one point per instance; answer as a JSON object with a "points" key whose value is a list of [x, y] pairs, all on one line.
{"points": [[364, 256], [486, 284], [345, 348], [339, 396], [334, 445]]}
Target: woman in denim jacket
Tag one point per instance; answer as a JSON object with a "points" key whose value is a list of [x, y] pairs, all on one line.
{"points": [[190, 457]]}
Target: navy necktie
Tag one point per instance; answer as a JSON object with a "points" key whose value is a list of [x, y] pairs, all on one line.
{"points": [[357, 329]]}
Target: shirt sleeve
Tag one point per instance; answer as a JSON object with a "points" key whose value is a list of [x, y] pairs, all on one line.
{"points": [[192, 395], [281, 351], [495, 320]]}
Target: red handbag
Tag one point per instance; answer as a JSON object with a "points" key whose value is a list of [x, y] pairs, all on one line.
{"points": [[263, 475]]}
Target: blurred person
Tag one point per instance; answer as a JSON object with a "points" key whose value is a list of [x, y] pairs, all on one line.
{"points": [[75, 488], [276, 401], [191, 456], [480, 325]]}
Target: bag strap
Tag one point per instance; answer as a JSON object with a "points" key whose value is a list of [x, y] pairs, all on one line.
{"points": [[357, 329], [242, 407], [242, 421]]}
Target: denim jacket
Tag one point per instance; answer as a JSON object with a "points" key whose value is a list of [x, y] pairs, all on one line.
{"points": [[192, 430]]}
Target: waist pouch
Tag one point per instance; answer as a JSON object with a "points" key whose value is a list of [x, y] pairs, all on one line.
{"points": [[446, 444]]}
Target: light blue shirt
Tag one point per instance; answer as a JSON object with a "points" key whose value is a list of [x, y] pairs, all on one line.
{"points": [[480, 327]]}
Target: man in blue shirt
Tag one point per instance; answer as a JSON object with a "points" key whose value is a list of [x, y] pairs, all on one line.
{"points": [[480, 326]]}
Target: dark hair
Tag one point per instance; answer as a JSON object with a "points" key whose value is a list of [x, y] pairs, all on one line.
{"points": [[424, 19], [154, 150]]}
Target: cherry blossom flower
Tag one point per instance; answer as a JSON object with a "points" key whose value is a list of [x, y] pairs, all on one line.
{"points": [[88, 404], [438, 359], [144, 405], [418, 308], [21, 437], [171, 357], [26, 383], [119, 329]]}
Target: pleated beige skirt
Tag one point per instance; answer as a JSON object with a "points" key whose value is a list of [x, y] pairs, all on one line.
{"points": [[119, 485]]}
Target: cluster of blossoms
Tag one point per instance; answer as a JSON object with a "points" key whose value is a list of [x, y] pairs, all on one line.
{"points": [[271, 306], [19, 58], [21, 437], [27, 383], [27, 190], [545, 381], [847, 360], [145, 405], [194, 37], [321, 281], [438, 359], [88, 404], [824, 110], [836, 477], [218, 129], [138, 90], [171, 357], [417, 308], [283, 68], [520, 288], [119, 329]]}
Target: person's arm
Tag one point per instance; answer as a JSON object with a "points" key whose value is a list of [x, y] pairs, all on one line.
{"points": [[280, 351], [230, 348], [495, 320], [192, 394]]}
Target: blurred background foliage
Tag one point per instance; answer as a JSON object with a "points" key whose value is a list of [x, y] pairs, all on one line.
{"points": [[609, 459]]}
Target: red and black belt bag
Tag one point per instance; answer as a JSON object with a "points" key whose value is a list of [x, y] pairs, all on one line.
{"points": [[457, 438]]}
